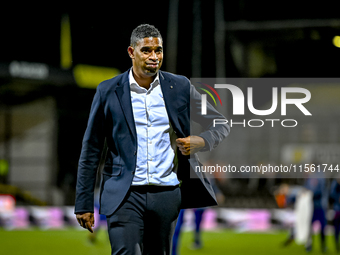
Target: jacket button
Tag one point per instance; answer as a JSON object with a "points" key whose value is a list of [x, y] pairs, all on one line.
{"points": [[135, 152]]}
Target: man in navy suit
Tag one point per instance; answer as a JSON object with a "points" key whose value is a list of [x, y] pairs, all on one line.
{"points": [[144, 115]]}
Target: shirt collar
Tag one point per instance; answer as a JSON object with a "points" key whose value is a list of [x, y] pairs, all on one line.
{"points": [[133, 82]]}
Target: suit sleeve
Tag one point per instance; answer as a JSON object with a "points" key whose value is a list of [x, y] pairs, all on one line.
{"points": [[211, 135], [92, 146]]}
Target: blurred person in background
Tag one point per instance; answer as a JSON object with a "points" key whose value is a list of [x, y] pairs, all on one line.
{"points": [[197, 242], [144, 115], [297, 197], [198, 212], [335, 198], [284, 199], [318, 186]]}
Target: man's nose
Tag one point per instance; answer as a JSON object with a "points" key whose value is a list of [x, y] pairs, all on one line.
{"points": [[153, 56]]}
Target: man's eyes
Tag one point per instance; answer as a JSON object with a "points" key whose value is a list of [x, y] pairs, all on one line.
{"points": [[149, 51]]}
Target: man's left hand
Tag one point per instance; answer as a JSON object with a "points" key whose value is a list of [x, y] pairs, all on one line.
{"points": [[190, 145]]}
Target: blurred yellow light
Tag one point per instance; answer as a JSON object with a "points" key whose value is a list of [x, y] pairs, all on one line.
{"points": [[87, 76], [336, 41]]}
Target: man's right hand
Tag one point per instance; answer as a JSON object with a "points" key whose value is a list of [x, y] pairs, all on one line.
{"points": [[86, 220]]}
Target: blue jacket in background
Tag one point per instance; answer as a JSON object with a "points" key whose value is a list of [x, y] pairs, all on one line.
{"points": [[335, 195]]}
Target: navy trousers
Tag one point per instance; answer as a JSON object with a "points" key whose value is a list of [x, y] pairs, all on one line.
{"points": [[145, 221]]}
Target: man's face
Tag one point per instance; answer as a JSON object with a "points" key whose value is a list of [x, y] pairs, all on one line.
{"points": [[147, 56]]}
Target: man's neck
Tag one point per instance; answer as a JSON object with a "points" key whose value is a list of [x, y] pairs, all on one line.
{"points": [[143, 81]]}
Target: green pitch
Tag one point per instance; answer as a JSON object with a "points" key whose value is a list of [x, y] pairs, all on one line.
{"points": [[71, 242]]}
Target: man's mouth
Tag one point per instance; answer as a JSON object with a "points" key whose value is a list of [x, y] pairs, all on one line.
{"points": [[153, 65]]}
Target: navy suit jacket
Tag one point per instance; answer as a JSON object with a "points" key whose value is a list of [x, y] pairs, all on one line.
{"points": [[111, 118]]}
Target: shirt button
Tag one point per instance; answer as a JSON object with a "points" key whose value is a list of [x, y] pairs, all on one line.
{"points": [[150, 159]]}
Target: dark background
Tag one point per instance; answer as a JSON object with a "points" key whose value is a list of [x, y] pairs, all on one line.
{"points": [[101, 33]]}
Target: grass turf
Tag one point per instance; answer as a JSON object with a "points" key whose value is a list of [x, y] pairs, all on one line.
{"points": [[72, 242]]}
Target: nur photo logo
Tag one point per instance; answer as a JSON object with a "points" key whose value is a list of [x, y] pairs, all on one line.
{"points": [[238, 103], [204, 97]]}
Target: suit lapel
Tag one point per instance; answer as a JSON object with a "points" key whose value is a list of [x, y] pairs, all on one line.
{"points": [[124, 97], [169, 90]]}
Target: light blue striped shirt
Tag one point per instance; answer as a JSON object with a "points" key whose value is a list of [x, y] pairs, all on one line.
{"points": [[156, 153]]}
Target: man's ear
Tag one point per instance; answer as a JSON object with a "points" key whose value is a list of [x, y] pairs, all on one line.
{"points": [[131, 52]]}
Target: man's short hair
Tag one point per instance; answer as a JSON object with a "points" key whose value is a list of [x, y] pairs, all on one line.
{"points": [[143, 31]]}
